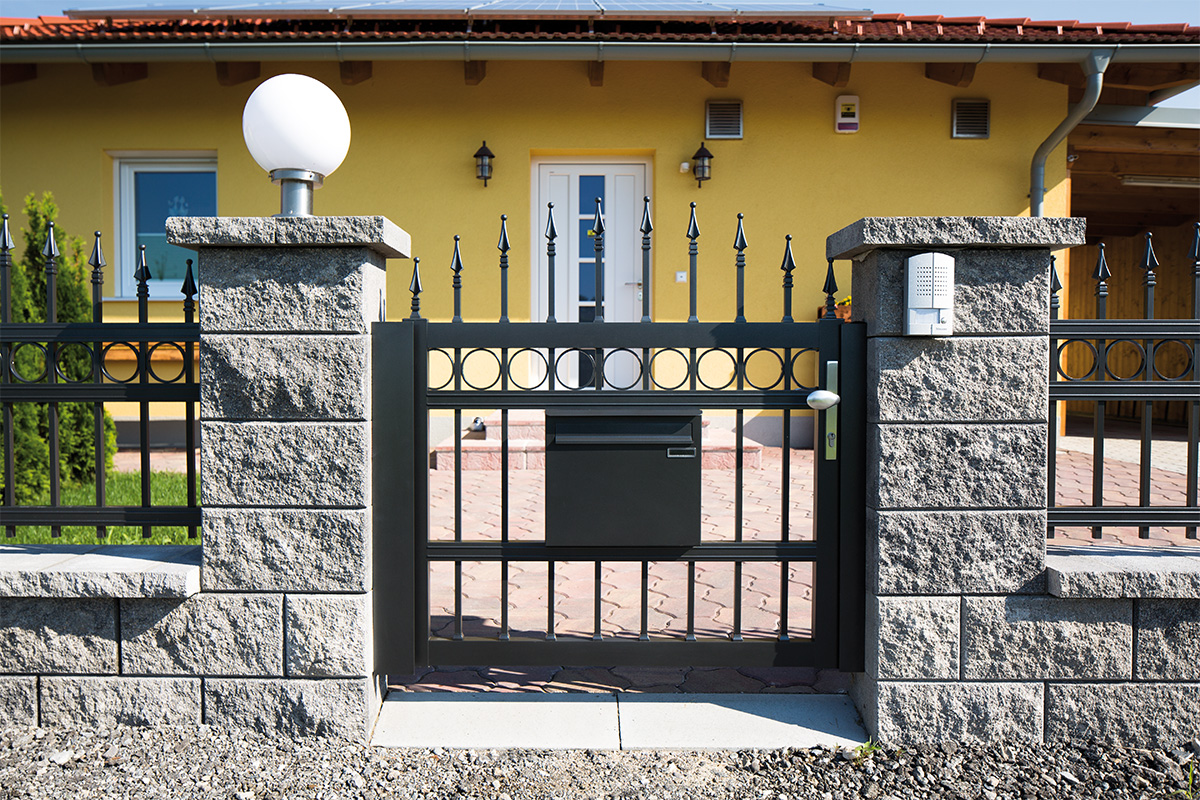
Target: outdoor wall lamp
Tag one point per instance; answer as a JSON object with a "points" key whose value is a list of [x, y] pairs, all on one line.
{"points": [[483, 163], [297, 130], [703, 165]]}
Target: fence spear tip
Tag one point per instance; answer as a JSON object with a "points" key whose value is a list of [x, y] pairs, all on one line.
{"points": [[1149, 260], [646, 226], [502, 245], [739, 240], [693, 231], [1101, 273], [551, 231], [189, 282], [96, 259], [50, 249], [789, 263], [598, 221], [456, 264], [1055, 283], [1194, 253], [830, 287], [142, 273], [6, 240]]}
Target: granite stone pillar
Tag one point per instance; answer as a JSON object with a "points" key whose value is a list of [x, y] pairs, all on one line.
{"points": [[959, 639], [286, 306]]}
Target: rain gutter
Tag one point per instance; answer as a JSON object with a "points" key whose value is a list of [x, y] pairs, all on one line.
{"points": [[1093, 68], [462, 50]]}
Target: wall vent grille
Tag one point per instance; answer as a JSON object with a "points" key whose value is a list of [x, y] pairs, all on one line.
{"points": [[723, 119], [971, 119]]}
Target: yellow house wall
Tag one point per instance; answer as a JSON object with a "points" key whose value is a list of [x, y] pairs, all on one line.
{"points": [[415, 126]]}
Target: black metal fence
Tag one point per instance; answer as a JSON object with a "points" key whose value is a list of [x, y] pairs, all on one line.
{"points": [[34, 370], [1128, 361]]}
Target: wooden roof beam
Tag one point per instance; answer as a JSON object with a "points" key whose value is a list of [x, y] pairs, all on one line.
{"points": [[17, 73], [959, 75], [1145, 77], [474, 72], [231, 73], [835, 73], [716, 73], [354, 72], [1121, 139], [113, 73], [1134, 164]]}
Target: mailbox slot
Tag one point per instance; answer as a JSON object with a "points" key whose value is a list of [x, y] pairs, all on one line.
{"points": [[623, 477]]}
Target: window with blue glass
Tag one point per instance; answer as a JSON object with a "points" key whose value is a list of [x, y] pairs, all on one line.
{"points": [[150, 190], [591, 189]]}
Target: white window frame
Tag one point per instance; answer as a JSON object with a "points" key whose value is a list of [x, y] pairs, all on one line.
{"points": [[126, 165]]}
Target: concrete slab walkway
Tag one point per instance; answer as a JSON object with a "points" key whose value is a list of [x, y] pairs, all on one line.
{"points": [[617, 722]]}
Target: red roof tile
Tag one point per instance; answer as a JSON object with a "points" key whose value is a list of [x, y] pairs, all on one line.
{"points": [[895, 28]]}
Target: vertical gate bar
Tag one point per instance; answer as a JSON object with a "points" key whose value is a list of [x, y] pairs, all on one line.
{"points": [[189, 360], [6, 245], [596, 635], [50, 251], [645, 635], [458, 616], [693, 233], [420, 497], [737, 602], [550, 601], [1101, 275], [1193, 452], [397, 560], [598, 246], [1052, 450], [505, 366], [646, 228], [691, 602], [458, 515], [97, 263], [1149, 264], [827, 500], [143, 300], [551, 252], [852, 456]]}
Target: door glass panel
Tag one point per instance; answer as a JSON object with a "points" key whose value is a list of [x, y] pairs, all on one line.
{"points": [[590, 187], [587, 241], [159, 195], [587, 286]]}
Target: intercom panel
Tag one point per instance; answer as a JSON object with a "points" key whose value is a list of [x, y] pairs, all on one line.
{"points": [[929, 295]]}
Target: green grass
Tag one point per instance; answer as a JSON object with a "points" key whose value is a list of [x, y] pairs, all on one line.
{"points": [[121, 489]]}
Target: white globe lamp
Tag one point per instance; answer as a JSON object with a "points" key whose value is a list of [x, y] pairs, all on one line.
{"points": [[297, 130]]}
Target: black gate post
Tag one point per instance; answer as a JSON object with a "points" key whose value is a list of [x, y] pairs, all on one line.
{"points": [[395, 504], [852, 457], [826, 497]]}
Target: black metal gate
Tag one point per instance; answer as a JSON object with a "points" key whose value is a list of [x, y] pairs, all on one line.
{"points": [[611, 432]]}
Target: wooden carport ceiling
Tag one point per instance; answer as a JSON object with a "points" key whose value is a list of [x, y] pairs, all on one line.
{"points": [[1099, 156]]}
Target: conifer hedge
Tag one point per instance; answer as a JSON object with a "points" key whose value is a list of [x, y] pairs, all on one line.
{"points": [[31, 421]]}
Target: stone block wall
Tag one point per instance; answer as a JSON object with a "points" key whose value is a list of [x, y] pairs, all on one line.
{"points": [[964, 640], [278, 637]]}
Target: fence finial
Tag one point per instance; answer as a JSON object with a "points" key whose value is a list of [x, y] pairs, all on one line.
{"points": [[830, 289], [6, 240], [50, 249], [142, 273], [456, 267], [414, 286], [189, 282], [646, 227], [551, 252], [96, 259], [1101, 275], [1193, 254], [788, 265], [503, 247], [1149, 260]]}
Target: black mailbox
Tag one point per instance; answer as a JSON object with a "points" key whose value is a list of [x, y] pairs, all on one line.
{"points": [[623, 477]]}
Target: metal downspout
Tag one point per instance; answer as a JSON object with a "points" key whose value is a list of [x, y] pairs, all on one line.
{"points": [[1093, 67]]}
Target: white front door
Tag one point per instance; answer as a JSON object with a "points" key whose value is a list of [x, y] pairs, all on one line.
{"points": [[573, 187]]}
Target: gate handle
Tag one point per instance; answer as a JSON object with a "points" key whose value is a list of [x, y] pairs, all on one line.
{"points": [[822, 399]]}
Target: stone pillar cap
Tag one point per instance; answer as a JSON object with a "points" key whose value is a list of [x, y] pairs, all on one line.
{"points": [[377, 233], [873, 233]]}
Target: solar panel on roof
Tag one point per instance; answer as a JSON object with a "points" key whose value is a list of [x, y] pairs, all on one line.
{"points": [[664, 8]]}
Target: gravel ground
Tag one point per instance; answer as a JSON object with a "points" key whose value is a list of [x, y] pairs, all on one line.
{"points": [[202, 762]]}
